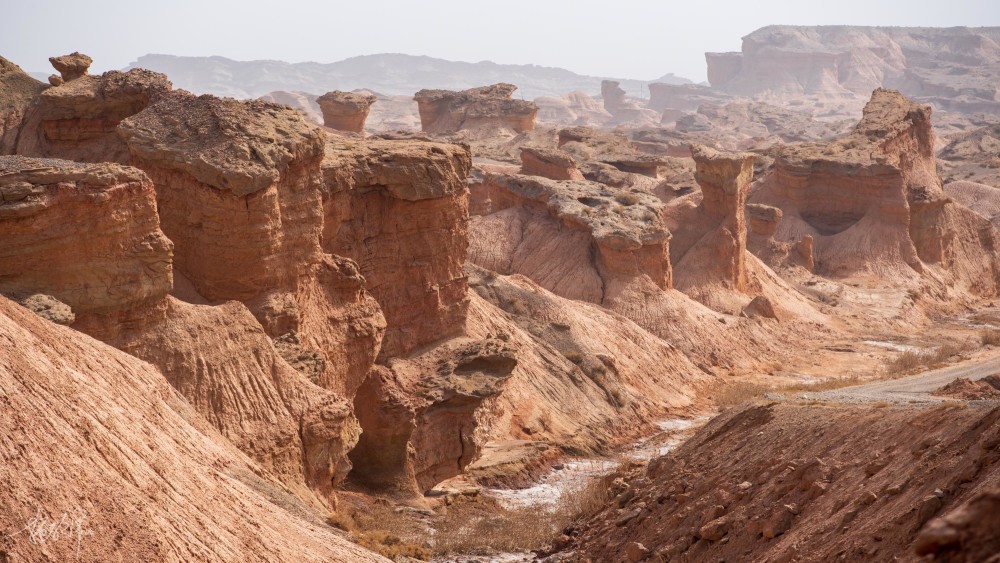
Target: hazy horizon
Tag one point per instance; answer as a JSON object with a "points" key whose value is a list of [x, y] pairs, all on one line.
{"points": [[633, 39]]}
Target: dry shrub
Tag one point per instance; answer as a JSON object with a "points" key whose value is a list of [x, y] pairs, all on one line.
{"points": [[390, 545], [381, 529], [342, 521], [738, 393], [521, 528], [824, 385], [627, 199], [909, 362], [989, 337], [502, 530]]}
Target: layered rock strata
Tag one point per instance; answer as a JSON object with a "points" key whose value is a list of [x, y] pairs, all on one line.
{"points": [[549, 163], [873, 203], [86, 234], [78, 120], [239, 183], [612, 232], [446, 111], [400, 210]]}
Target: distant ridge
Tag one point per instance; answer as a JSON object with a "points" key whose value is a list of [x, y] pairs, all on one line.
{"points": [[392, 74]]}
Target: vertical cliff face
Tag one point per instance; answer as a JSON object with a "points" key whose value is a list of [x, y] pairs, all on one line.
{"points": [[238, 188], [78, 120], [345, 111], [446, 111], [400, 209], [87, 234]]}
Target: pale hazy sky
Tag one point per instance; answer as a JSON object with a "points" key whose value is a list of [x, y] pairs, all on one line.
{"points": [[640, 39]]}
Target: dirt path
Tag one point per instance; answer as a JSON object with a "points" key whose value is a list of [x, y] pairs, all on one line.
{"points": [[915, 388]]}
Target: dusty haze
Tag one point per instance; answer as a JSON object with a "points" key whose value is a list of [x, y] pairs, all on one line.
{"points": [[587, 37]]}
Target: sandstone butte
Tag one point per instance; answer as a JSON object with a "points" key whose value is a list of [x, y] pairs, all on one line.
{"points": [[268, 320]]}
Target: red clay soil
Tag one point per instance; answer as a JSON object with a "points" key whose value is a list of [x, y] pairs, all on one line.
{"points": [[784, 482], [962, 388]]}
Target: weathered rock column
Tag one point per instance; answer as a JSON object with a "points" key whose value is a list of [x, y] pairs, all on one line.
{"points": [[725, 182]]}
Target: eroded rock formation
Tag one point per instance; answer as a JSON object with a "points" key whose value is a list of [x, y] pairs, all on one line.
{"points": [[873, 203], [549, 163], [240, 183], [725, 183], [86, 234], [623, 229], [71, 66], [345, 111], [445, 111], [399, 208], [103, 440], [622, 109], [78, 120]]}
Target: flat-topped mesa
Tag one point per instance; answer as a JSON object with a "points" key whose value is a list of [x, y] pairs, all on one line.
{"points": [[838, 63], [70, 66], [549, 163], [725, 183], [239, 191], [623, 225], [345, 111], [446, 111], [17, 92], [86, 234], [78, 120], [400, 209]]}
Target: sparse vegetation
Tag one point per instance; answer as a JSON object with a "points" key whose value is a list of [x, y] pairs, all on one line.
{"points": [[380, 529], [990, 337], [738, 393], [390, 545], [908, 362], [518, 529], [627, 198], [824, 385]]}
